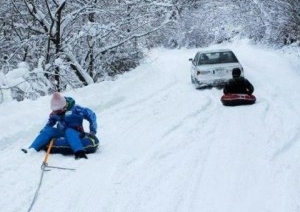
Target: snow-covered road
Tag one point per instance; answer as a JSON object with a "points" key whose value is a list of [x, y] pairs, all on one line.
{"points": [[165, 146]]}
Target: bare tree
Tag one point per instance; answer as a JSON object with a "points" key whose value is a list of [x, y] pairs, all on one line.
{"points": [[96, 29]]}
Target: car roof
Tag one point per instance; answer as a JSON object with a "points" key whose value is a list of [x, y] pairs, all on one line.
{"points": [[215, 50]]}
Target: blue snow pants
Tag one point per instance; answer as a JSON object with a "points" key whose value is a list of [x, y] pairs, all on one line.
{"points": [[47, 133]]}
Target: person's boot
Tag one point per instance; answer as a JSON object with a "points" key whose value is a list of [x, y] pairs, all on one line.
{"points": [[29, 151], [80, 154]]}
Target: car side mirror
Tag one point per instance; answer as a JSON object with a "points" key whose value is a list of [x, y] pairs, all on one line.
{"points": [[193, 61]]}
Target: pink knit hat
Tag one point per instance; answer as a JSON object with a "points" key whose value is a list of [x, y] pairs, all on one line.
{"points": [[58, 102]]}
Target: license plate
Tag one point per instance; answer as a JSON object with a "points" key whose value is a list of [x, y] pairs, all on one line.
{"points": [[219, 71]]}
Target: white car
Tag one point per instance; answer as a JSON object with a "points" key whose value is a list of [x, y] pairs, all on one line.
{"points": [[213, 68]]}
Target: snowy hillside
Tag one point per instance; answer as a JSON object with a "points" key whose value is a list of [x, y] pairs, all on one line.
{"points": [[165, 146]]}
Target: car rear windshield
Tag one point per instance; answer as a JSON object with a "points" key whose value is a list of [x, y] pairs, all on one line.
{"points": [[217, 57]]}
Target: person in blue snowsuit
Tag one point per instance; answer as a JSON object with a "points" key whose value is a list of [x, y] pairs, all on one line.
{"points": [[66, 120]]}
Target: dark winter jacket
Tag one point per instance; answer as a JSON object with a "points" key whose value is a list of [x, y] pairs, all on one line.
{"points": [[73, 117], [238, 85]]}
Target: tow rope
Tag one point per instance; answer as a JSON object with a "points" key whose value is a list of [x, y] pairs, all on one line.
{"points": [[45, 167]]}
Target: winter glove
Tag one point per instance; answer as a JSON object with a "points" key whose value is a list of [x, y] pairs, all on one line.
{"points": [[54, 117]]}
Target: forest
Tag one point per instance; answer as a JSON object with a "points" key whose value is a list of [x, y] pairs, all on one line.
{"points": [[57, 45]]}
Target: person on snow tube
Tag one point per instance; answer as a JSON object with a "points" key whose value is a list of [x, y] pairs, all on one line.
{"points": [[238, 84], [61, 145], [66, 120]]}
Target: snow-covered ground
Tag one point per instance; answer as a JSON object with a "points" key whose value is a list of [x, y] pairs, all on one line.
{"points": [[165, 146]]}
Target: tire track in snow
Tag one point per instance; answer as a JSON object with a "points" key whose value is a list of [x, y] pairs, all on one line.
{"points": [[164, 150]]}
